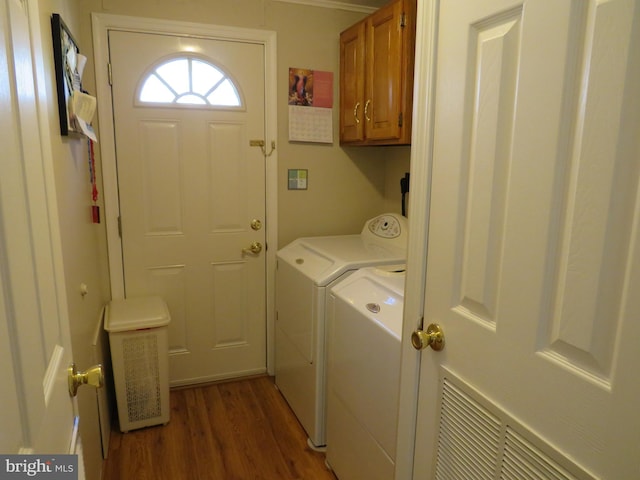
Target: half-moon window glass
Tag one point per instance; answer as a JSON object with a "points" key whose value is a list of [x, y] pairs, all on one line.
{"points": [[189, 81]]}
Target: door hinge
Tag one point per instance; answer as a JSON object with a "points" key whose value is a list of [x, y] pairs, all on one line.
{"points": [[400, 119], [403, 20], [110, 74], [120, 226]]}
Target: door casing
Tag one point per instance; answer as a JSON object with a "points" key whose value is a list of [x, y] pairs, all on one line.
{"points": [[102, 24], [421, 147]]}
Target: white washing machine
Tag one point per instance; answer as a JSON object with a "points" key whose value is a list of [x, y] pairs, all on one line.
{"points": [[307, 269], [364, 323]]}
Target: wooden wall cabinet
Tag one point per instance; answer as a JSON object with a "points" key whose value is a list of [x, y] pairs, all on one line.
{"points": [[376, 77]]}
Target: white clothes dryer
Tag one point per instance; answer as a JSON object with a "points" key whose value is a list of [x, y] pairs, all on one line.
{"points": [[306, 269], [364, 323]]}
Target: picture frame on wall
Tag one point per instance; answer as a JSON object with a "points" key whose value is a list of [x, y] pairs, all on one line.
{"points": [[68, 79]]}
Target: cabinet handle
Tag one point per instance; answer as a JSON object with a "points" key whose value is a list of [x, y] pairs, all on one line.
{"points": [[355, 113], [366, 109]]}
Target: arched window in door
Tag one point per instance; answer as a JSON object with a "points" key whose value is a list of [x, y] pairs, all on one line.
{"points": [[189, 81]]}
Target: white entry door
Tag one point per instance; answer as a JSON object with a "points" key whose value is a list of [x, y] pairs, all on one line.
{"points": [[37, 412], [192, 194], [533, 266]]}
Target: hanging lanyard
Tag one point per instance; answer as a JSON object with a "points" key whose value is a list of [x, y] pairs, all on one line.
{"points": [[95, 208]]}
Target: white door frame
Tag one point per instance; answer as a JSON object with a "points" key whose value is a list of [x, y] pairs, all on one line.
{"points": [[102, 23], [419, 205]]}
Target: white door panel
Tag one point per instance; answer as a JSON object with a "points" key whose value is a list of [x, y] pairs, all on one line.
{"points": [[533, 243], [38, 413], [190, 185]]}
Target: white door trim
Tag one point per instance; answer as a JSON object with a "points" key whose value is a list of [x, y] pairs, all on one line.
{"points": [[102, 23], [421, 161]]}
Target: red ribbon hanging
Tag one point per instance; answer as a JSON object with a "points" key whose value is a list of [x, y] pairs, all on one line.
{"points": [[95, 209]]}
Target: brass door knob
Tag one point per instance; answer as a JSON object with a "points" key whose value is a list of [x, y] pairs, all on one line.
{"points": [[433, 337], [94, 376], [255, 248]]}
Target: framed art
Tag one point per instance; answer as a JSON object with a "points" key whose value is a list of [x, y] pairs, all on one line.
{"points": [[65, 57]]}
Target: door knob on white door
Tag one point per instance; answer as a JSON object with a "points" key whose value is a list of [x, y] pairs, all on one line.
{"points": [[433, 337], [94, 376], [255, 248]]}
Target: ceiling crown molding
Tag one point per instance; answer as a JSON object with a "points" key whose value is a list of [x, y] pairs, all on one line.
{"points": [[332, 4]]}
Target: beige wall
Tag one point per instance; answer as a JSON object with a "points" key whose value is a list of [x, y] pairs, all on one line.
{"points": [[83, 243], [346, 185], [395, 168]]}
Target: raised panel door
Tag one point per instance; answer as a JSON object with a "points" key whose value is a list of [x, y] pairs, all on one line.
{"points": [[532, 269], [384, 73], [352, 80], [38, 414], [190, 185]]}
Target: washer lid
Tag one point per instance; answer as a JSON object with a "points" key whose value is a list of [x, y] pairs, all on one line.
{"points": [[136, 314], [323, 259], [376, 293]]}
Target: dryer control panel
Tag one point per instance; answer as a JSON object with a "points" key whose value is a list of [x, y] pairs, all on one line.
{"points": [[388, 229], [386, 226]]}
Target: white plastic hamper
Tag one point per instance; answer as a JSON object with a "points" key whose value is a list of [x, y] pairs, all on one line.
{"points": [[140, 358]]}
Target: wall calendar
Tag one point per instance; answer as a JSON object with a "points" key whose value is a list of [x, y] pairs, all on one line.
{"points": [[310, 106]]}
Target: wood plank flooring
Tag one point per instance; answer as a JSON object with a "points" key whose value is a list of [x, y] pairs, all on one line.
{"points": [[240, 429]]}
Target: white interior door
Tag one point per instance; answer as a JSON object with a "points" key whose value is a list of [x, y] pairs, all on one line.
{"points": [[37, 414], [533, 266], [192, 198]]}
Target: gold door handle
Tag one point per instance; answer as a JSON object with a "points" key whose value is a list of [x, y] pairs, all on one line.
{"points": [[433, 337], [366, 110], [255, 248], [355, 113], [94, 377]]}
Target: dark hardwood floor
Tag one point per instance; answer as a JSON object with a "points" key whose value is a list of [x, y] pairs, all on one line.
{"points": [[241, 429]]}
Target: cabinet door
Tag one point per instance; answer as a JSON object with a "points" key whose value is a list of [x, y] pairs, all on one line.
{"points": [[352, 75], [384, 73]]}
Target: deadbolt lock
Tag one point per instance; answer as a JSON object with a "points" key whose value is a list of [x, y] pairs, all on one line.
{"points": [[256, 224]]}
